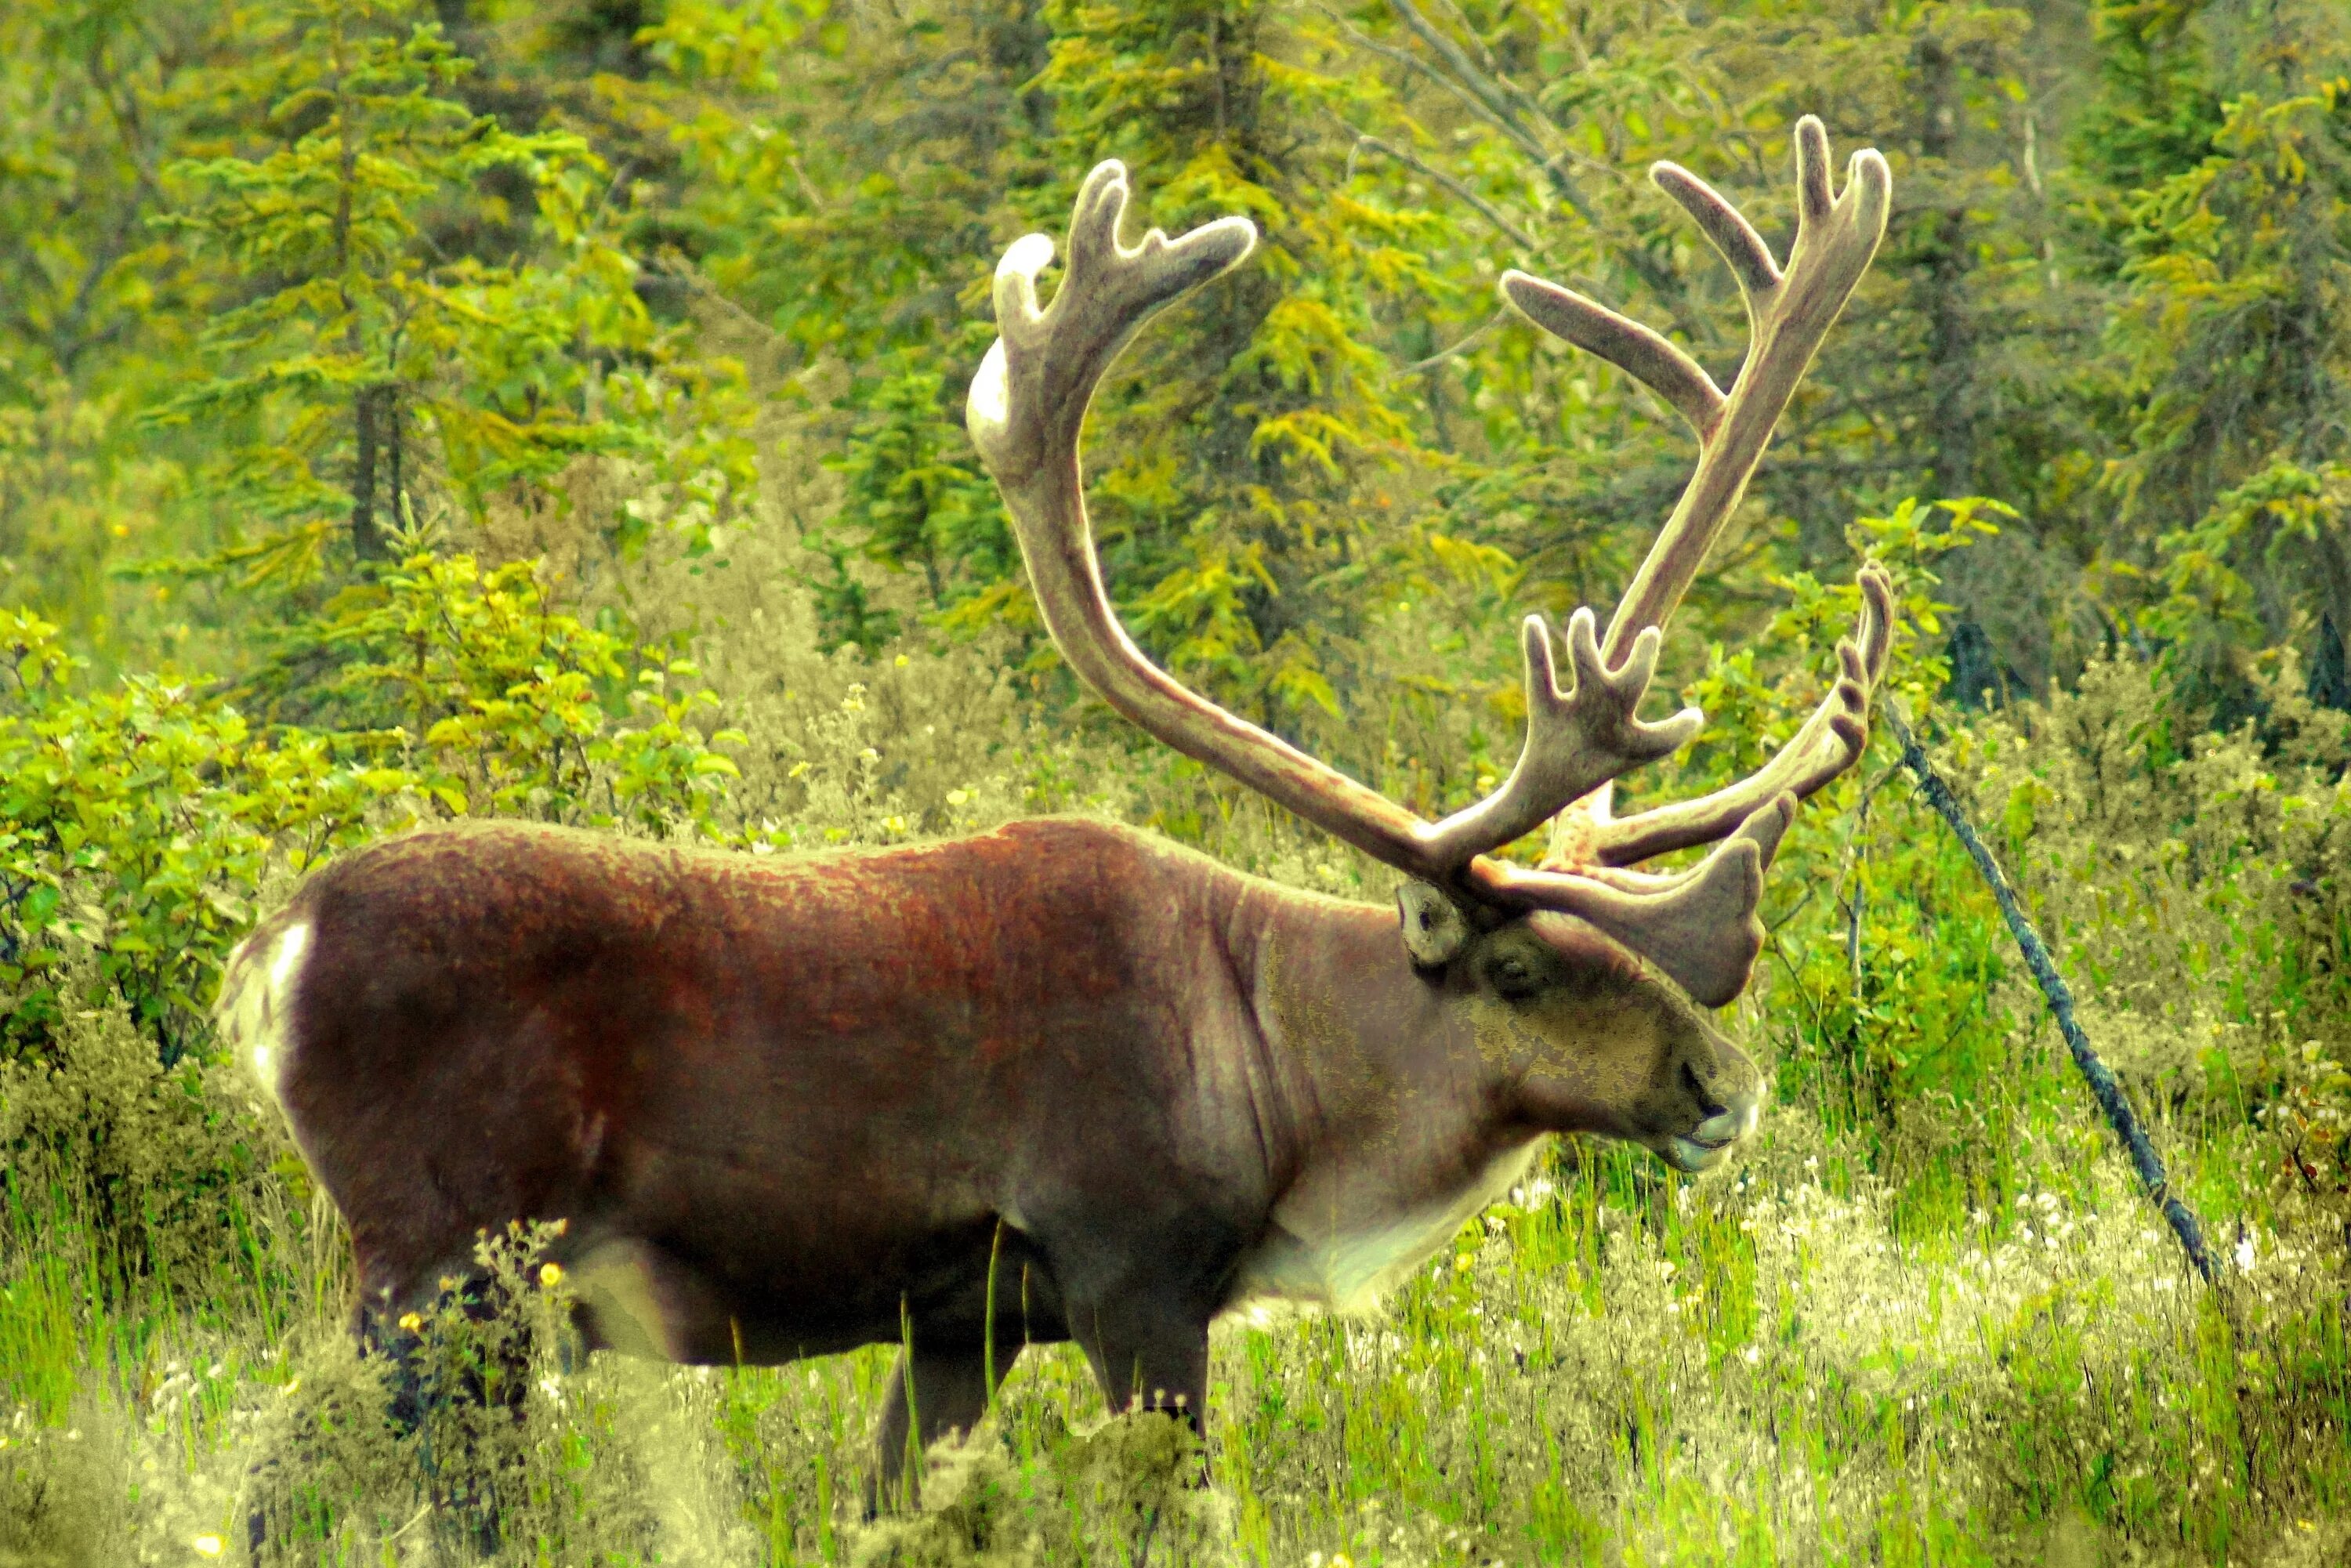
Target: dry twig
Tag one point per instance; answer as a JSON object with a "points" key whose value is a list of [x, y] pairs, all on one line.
{"points": [[2094, 1071]]}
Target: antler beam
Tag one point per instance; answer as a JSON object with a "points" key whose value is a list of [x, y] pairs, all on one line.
{"points": [[1029, 403]]}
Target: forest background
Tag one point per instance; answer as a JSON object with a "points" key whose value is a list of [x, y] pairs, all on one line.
{"points": [[410, 410]]}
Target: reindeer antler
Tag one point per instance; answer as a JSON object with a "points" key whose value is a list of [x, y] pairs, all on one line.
{"points": [[1029, 403], [1787, 315]]}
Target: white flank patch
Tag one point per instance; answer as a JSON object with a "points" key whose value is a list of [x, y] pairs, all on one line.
{"points": [[256, 1004], [290, 945], [1349, 1271]]}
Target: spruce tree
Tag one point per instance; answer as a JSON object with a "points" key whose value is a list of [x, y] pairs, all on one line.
{"points": [[2232, 333], [1254, 462], [361, 367]]}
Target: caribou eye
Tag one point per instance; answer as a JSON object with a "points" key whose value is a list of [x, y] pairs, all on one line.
{"points": [[1512, 976]]}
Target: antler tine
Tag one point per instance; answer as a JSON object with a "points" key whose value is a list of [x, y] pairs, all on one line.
{"points": [[1637, 350], [1726, 229], [1789, 311], [1830, 741], [1576, 740]]}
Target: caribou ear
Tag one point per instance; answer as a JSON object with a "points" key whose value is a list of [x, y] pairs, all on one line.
{"points": [[1435, 929]]}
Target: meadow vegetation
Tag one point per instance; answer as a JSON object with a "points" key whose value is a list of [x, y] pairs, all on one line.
{"points": [[1928, 1320], [409, 412]]}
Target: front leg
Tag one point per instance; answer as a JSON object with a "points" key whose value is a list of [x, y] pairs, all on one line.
{"points": [[1147, 1355]]}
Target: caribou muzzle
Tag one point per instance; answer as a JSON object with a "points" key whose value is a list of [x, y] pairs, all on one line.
{"points": [[1709, 1143]]}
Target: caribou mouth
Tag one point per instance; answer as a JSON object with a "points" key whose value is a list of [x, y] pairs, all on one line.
{"points": [[1688, 1155], [1710, 1143]]}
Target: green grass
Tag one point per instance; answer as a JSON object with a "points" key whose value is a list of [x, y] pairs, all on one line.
{"points": [[1615, 1367]]}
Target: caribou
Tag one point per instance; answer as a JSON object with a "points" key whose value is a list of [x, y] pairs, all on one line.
{"points": [[1065, 1081]]}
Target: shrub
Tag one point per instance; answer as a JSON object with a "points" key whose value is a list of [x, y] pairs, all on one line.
{"points": [[161, 1164], [497, 703], [2200, 885], [141, 821], [138, 821]]}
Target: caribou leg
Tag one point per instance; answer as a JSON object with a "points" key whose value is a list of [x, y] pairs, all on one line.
{"points": [[1146, 1358], [951, 1393]]}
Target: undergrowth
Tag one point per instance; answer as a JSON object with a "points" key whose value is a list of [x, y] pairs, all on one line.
{"points": [[1927, 1318]]}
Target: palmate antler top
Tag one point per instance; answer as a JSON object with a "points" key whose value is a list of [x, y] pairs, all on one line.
{"points": [[1699, 926]]}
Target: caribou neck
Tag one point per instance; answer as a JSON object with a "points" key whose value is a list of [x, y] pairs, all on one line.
{"points": [[1387, 1124]]}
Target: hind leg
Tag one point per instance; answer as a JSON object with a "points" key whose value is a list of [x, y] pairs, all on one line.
{"points": [[949, 1391], [455, 1381]]}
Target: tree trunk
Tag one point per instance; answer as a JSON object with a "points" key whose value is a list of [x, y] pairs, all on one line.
{"points": [[1950, 336], [375, 444]]}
